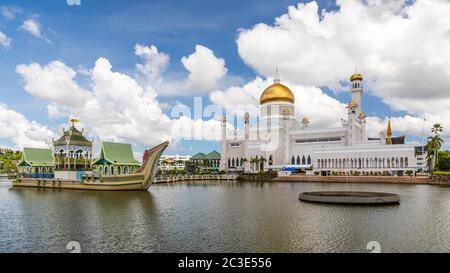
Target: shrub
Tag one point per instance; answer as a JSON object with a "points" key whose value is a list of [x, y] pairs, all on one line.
{"points": [[444, 164]]}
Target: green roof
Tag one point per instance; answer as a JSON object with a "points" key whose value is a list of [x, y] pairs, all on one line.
{"points": [[36, 157], [198, 156], [117, 154], [211, 156], [76, 138]]}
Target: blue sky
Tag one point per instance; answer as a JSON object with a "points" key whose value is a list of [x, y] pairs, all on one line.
{"points": [[78, 35]]}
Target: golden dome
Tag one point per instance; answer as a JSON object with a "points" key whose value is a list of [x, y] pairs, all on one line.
{"points": [[356, 77], [352, 105], [362, 115], [277, 92]]}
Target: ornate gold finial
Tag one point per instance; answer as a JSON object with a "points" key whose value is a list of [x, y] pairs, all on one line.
{"points": [[362, 115], [389, 133], [305, 122], [73, 121], [246, 115]]}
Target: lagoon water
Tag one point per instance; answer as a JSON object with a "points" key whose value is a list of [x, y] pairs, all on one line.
{"points": [[222, 217]]}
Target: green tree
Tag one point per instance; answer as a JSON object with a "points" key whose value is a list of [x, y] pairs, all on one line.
{"points": [[433, 146], [253, 161]]}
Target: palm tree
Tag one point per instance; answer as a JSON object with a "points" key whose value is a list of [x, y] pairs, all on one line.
{"points": [[436, 129], [262, 160], [243, 161], [253, 161], [433, 146]]}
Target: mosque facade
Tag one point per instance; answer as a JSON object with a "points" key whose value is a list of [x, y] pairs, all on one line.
{"points": [[279, 139]]}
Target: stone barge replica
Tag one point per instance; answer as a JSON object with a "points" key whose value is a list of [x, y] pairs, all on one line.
{"points": [[70, 165]]}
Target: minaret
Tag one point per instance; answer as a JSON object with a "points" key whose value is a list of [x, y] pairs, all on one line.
{"points": [[362, 121], [389, 133], [352, 119], [356, 90], [223, 154], [247, 135], [247, 125]]}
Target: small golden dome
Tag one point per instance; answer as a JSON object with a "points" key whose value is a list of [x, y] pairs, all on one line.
{"points": [[305, 120], [356, 77], [246, 115], [362, 115], [352, 105], [277, 92]]}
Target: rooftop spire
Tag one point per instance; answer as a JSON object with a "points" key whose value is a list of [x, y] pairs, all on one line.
{"points": [[277, 76], [389, 133], [73, 121]]}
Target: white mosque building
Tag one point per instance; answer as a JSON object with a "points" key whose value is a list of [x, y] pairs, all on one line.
{"points": [[279, 140]]}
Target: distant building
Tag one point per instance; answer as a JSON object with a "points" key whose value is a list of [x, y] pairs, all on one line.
{"points": [[36, 163], [210, 161], [115, 159], [173, 162]]}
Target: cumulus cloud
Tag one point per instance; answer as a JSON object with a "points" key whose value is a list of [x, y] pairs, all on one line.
{"points": [[4, 40], [154, 62], [53, 82], [115, 107], [23, 132], [401, 49], [33, 27], [204, 68], [73, 2]]}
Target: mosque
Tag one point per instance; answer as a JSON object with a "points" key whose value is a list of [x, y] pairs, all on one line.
{"points": [[279, 140]]}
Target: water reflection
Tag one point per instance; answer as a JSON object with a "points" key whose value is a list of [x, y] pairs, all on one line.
{"points": [[221, 217]]}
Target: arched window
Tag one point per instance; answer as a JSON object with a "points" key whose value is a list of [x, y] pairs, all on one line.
{"points": [[309, 159], [270, 160], [303, 160], [232, 162], [229, 163], [293, 160], [237, 162]]}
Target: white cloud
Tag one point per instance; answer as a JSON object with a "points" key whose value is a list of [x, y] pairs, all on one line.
{"points": [[4, 40], [23, 132], [53, 82], [154, 62], [205, 69], [401, 49], [73, 2], [114, 108], [33, 27], [10, 12]]}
